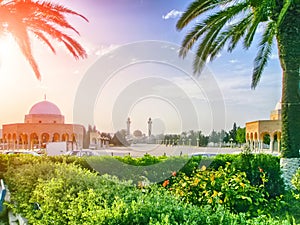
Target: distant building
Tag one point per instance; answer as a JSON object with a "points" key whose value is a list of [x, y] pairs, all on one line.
{"points": [[149, 127], [256, 131], [128, 122], [98, 141], [43, 124]]}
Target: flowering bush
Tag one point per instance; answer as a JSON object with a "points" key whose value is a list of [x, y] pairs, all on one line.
{"points": [[46, 192], [296, 180], [252, 165], [225, 186]]}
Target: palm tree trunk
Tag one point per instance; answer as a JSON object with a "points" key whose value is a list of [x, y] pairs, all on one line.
{"points": [[289, 54]]}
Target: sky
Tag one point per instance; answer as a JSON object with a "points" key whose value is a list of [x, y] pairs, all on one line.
{"points": [[133, 70]]}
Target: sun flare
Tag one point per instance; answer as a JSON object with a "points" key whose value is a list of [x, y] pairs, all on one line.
{"points": [[7, 47]]}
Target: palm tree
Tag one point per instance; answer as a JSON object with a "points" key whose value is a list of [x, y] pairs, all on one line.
{"points": [[44, 20], [226, 22]]}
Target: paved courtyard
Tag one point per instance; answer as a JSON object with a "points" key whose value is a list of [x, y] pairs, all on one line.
{"points": [[138, 150]]}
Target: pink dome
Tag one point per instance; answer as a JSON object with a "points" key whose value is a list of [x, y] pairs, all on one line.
{"points": [[45, 107]]}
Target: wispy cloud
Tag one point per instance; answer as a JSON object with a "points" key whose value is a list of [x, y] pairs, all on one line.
{"points": [[101, 50], [274, 56], [172, 14], [233, 61]]}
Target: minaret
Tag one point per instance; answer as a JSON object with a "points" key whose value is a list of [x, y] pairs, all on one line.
{"points": [[149, 127], [128, 126]]}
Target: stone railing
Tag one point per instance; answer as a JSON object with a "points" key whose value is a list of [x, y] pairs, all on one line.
{"points": [[289, 166]]}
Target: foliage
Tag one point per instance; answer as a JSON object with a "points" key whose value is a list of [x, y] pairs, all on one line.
{"points": [[223, 24], [221, 160], [157, 169], [266, 139], [241, 135], [67, 194], [296, 180], [226, 186], [146, 160], [233, 133], [17, 160], [59, 190], [290, 206], [146, 169], [187, 138], [215, 33], [254, 165], [43, 20]]}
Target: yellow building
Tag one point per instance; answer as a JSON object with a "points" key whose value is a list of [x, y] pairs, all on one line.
{"points": [[256, 130]]}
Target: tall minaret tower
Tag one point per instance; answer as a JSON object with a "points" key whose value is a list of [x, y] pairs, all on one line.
{"points": [[149, 127], [128, 126]]}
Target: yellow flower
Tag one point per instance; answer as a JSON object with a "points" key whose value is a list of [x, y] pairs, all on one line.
{"points": [[214, 194], [242, 184]]}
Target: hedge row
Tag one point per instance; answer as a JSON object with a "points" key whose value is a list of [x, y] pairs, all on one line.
{"points": [[47, 192]]}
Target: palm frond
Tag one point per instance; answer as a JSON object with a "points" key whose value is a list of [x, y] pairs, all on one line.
{"points": [[23, 41], [203, 50], [78, 51], [75, 48], [286, 6], [261, 12], [43, 19], [44, 11], [219, 43], [233, 33], [191, 38], [265, 49], [251, 32], [43, 38], [197, 8], [209, 29], [62, 9], [238, 31]]}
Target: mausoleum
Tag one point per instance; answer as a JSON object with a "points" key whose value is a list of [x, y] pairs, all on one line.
{"points": [[44, 123]]}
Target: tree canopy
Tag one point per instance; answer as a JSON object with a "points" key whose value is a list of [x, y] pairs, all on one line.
{"points": [[43, 20], [224, 23]]}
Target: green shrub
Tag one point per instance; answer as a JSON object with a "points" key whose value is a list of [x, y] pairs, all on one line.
{"points": [[221, 160], [192, 164], [47, 192], [146, 160], [296, 180], [53, 187], [253, 165], [149, 169], [81, 161], [227, 187]]}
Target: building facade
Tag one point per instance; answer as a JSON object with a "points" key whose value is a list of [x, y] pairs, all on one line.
{"points": [[257, 130], [43, 124]]}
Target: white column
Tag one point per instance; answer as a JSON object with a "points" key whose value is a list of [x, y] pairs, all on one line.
{"points": [[271, 143], [256, 145], [251, 145], [261, 145]]}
